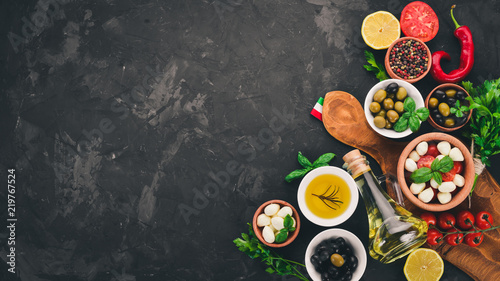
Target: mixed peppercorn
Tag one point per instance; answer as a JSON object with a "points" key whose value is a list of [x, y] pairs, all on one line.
{"points": [[409, 59]]}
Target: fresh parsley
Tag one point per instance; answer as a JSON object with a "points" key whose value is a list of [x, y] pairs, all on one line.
{"points": [[425, 174], [484, 125], [288, 227], [250, 245], [411, 118], [304, 162], [375, 67]]}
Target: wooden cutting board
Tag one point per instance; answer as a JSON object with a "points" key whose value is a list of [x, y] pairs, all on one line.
{"points": [[344, 119]]}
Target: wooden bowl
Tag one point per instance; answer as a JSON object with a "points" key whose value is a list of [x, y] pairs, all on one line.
{"points": [[392, 74], [431, 121], [258, 230], [468, 173]]}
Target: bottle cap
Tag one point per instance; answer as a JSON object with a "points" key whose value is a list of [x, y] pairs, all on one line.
{"points": [[356, 163]]}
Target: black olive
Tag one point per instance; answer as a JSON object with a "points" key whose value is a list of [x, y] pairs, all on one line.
{"points": [[434, 111], [348, 275], [460, 120], [440, 95], [323, 256], [451, 101], [352, 262], [392, 88], [348, 249], [315, 260], [333, 271], [438, 118], [460, 95], [325, 276]]}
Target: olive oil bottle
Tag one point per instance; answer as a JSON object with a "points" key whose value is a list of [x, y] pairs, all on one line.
{"points": [[394, 231]]}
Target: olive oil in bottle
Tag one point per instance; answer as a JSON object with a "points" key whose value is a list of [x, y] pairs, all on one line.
{"points": [[394, 231]]}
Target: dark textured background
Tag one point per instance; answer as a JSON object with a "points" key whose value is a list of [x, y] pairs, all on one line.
{"points": [[116, 115]]}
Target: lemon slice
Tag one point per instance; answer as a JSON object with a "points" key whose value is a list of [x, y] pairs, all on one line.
{"points": [[424, 265], [380, 29]]}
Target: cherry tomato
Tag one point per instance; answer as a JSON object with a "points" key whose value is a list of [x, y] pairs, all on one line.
{"points": [[425, 161], [429, 218], [465, 219], [433, 150], [449, 176], [484, 220], [446, 221], [419, 20], [454, 239], [473, 239], [434, 237], [458, 167]]}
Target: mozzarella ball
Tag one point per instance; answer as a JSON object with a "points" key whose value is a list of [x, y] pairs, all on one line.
{"points": [[444, 197], [456, 154], [263, 220], [271, 209], [268, 234], [414, 156], [444, 147], [447, 186], [440, 156], [410, 165], [434, 183], [422, 148], [459, 180], [426, 195], [278, 222], [416, 188], [285, 211]]}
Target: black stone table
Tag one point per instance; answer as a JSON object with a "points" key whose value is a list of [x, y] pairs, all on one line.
{"points": [[144, 134]]}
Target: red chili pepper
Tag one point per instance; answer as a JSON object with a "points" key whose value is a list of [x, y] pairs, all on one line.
{"points": [[463, 34]]}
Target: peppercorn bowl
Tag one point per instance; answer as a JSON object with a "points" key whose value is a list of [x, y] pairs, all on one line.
{"points": [[445, 115], [258, 230], [408, 59], [372, 97], [432, 151]]}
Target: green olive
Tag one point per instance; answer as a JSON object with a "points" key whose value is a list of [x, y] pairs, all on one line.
{"points": [[379, 121], [380, 95], [374, 107], [388, 104], [401, 94], [392, 116], [433, 102], [444, 109], [388, 125], [399, 107], [451, 93], [382, 113], [337, 260], [449, 122]]}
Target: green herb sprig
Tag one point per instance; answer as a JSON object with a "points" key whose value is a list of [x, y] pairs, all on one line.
{"points": [[287, 227], [250, 245], [425, 174], [459, 110], [375, 67], [411, 117], [484, 125], [323, 160]]}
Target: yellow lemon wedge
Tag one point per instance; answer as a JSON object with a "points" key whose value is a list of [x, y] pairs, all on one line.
{"points": [[424, 265], [380, 29]]}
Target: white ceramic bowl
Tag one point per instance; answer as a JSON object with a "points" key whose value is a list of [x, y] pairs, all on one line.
{"points": [[353, 240], [412, 92], [321, 171]]}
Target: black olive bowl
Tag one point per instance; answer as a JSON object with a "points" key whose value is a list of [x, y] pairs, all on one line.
{"points": [[435, 118]]}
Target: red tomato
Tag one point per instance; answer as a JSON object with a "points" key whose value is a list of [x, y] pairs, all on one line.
{"points": [[434, 237], [429, 218], [465, 219], [448, 176], [432, 150], [472, 239], [458, 167], [425, 161], [419, 20], [454, 239], [446, 221], [484, 220]]}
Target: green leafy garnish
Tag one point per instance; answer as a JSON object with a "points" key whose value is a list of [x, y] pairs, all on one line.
{"points": [[425, 174], [375, 67], [287, 227], [459, 110], [484, 125], [250, 245], [323, 160], [411, 117]]}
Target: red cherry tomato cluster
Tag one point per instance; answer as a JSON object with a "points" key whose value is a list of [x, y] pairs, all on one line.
{"points": [[464, 227]]}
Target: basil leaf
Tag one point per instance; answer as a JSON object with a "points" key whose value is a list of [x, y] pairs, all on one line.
{"points": [[325, 158], [281, 237], [423, 113], [435, 164], [406, 115], [437, 177], [401, 125], [291, 229], [303, 161], [288, 222], [421, 175], [445, 165], [414, 123], [320, 165], [296, 174], [409, 104]]}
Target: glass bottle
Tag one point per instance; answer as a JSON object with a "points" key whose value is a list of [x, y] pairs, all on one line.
{"points": [[394, 231]]}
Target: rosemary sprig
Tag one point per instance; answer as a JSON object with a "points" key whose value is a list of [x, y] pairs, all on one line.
{"points": [[331, 198]]}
